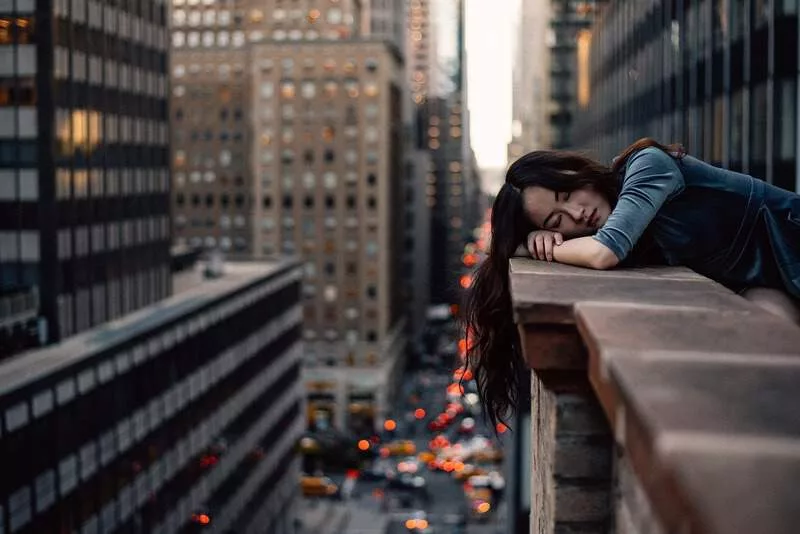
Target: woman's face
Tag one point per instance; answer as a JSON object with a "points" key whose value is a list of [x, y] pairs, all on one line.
{"points": [[576, 214]]}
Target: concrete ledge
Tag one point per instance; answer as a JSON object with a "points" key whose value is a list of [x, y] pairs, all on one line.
{"points": [[698, 387]]}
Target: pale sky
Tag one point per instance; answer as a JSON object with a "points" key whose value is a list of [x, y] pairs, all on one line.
{"points": [[489, 29]]}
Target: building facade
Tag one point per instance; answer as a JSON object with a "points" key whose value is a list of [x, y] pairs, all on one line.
{"points": [[288, 141], [84, 174], [531, 76], [718, 76], [181, 416]]}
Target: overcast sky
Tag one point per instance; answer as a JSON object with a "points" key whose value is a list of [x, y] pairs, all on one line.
{"points": [[489, 50]]}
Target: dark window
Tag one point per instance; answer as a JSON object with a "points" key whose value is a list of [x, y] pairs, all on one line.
{"points": [[224, 200], [309, 201], [267, 202], [308, 156], [287, 201], [179, 200], [330, 268], [351, 201], [372, 336], [195, 200], [372, 179], [372, 203], [239, 201], [329, 155], [330, 202], [209, 200]]}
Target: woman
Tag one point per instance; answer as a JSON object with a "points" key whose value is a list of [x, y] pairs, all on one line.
{"points": [[654, 205]]}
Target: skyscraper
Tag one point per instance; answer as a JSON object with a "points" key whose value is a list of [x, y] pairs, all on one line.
{"points": [[287, 136], [531, 76], [84, 178]]}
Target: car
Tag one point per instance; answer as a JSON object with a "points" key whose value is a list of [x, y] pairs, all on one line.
{"points": [[318, 486], [467, 426], [403, 447]]}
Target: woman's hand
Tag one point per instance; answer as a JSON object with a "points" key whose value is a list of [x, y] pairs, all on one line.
{"points": [[541, 243]]}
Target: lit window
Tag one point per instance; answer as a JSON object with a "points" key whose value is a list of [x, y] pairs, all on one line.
{"points": [[308, 180], [224, 39], [179, 17], [256, 15], [371, 89], [194, 18], [312, 35], [193, 39], [208, 39], [209, 17], [349, 66], [287, 89], [329, 179], [256, 36], [279, 35], [329, 65], [178, 39], [351, 157], [351, 86], [295, 35], [335, 15], [225, 158], [308, 89], [330, 293], [179, 71], [287, 134], [371, 134], [279, 14], [331, 88], [237, 39], [328, 134], [224, 18]]}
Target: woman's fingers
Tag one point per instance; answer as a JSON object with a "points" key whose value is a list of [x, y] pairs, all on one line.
{"points": [[540, 251], [548, 248], [559, 238]]}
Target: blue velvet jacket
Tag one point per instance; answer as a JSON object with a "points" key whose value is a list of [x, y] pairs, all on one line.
{"points": [[731, 227]]}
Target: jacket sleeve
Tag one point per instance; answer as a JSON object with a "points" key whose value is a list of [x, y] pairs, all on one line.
{"points": [[651, 178]]}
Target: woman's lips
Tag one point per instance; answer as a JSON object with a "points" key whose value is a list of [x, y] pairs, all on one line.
{"points": [[593, 218]]}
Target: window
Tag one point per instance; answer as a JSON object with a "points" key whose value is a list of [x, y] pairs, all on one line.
{"points": [[287, 89], [308, 89]]}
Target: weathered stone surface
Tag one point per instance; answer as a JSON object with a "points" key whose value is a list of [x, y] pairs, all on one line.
{"points": [[712, 397], [550, 299], [569, 493], [533, 267], [634, 513], [583, 456], [582, 502], [552, 347], [747, 489], [651, 332]]}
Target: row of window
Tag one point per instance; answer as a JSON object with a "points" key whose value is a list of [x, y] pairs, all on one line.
{"points": [[82, 240], [102, 449], [225, 158], [224, 17], [87, 129], [237, 39], [352, 337], [17, 30], [266, 66], [80, 66], [87, 307], [109, 19], [110, 182]]}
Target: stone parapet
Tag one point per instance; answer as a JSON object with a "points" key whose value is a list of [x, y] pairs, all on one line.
{"points": [[661, 402]]}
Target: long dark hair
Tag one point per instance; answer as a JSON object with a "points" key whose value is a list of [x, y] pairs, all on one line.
{"points": [[492, 343]]}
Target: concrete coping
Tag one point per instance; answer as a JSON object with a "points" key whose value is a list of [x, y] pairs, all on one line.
{"points": [[698, 384]]}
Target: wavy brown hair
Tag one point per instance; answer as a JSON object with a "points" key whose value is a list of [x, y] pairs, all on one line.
{"points": [[493, 351]]}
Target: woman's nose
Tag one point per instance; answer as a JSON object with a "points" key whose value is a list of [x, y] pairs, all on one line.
{"points": [[577, 212]]}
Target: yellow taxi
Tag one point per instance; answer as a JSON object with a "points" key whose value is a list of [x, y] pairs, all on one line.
{"points": [[318, 486]]}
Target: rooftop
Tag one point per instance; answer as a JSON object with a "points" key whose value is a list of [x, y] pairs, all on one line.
{"points": [[237, 276]]}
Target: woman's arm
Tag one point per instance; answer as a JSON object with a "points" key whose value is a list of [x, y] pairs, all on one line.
{"points": [[652, 177], [585, 252]]}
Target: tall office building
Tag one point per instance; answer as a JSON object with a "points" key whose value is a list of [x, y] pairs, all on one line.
{"points": [[420, 49], [569, 85], [386, 19], [181, 416], [84, 177], [531, 79], [719, 77], [288, 140]]}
